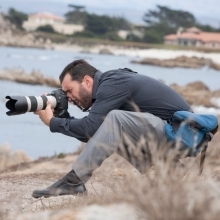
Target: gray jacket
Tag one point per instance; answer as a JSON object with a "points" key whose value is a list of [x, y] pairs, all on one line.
{"points": [[125, 90]]}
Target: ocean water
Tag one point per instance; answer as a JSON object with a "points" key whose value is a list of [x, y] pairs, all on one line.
{"points": [[27, 133]]}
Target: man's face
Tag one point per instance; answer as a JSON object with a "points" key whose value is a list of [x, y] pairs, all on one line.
{"points": [[78, 93]]}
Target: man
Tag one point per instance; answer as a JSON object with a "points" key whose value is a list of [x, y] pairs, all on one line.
{"points": [[124, 106]]}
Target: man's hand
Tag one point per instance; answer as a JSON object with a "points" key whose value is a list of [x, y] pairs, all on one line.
{"points": [[45, 115]]}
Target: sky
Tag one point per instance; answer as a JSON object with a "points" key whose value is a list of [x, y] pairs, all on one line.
{"points": [[205, 11]]}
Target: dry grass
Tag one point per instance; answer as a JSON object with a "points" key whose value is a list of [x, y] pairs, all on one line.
{"points": [[9, 158], [167, 190]]}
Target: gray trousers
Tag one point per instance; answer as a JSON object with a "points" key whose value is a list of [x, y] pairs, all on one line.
{"points": [[125, 133]]}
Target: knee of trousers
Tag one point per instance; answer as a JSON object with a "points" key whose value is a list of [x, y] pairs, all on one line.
{"points": [[114, 116]]}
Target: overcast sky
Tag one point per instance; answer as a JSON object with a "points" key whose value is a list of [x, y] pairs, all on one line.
{"points": [[207, 11]]}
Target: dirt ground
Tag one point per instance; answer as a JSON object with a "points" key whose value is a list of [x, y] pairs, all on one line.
{"points": [[18, 182]]}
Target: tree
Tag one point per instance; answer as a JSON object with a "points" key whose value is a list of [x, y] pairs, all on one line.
{"points": [[99, 25], [16, 17], [207, 28], [172, 18], [121, 23], [77, 15], [163, 21], [77, 7]]}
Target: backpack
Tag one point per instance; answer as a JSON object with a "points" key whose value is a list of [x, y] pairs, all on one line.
{"points": [[191, 132]]}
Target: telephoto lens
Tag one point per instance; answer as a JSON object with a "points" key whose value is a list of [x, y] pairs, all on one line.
{"points": [[22, 104]]}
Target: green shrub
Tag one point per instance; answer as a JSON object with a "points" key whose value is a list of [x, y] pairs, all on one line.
{"points": [[46, 28]]}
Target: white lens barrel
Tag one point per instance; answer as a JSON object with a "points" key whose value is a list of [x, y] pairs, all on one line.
{"points": [[28, 103], [52, 100], [36, 103]]}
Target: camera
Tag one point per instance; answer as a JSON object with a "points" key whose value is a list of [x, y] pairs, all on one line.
{"points": [[21, 104]]}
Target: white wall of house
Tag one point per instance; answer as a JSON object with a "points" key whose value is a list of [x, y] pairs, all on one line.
{"points": [[171, 42], [68, 29], [33, 23], [212, 45], [123, 34]]}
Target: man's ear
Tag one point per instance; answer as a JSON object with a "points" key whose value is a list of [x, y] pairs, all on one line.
{"points": [[88, 80]]}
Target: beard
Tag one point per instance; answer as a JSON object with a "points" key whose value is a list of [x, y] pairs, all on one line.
{"points": [[85, 97]]}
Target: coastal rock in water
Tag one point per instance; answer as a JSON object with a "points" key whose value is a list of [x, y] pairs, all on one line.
{"points": [[181, 61], [35, 78], [196, 93], [105, 51]]}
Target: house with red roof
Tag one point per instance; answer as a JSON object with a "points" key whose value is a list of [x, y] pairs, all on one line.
{"points": [[194, 37]]}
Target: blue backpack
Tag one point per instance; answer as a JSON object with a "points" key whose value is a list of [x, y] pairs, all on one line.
{"points": [[191, 132]]}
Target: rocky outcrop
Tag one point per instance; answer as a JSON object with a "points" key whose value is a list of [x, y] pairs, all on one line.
{"points": [[34, 78], [105, 51], [197, 93], [11, 36], [181, 61]]}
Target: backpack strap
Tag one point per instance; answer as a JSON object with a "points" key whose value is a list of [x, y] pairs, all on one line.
{"points": [[202, 159], [208, 137]]}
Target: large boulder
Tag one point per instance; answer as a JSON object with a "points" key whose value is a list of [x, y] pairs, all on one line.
{"points": [[197, 93]]}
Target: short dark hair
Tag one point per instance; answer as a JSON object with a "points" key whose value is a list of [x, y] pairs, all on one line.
{"points": [[77, 70]]}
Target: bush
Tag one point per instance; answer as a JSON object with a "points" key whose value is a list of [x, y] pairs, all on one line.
{"points": [[152, 36], [46, 28], [84, 33], [112, 36], [132, 37]]}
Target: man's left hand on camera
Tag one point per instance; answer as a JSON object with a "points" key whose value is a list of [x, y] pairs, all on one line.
{"points": [[45, 115]]}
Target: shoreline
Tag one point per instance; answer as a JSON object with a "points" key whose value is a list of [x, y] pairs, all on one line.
{"points": [[136, 52], [133, 52]]}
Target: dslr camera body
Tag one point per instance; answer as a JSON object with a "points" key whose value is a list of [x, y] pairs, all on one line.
{"points": [[18, 105]]}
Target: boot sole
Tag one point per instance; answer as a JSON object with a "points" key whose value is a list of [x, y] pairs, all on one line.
{"points": [[38, 195]]}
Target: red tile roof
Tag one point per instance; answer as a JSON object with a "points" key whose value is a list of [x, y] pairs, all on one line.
{"points": [[193, 34]]}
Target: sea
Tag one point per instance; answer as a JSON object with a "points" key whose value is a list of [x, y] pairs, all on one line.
{"points": [[27, 133]]}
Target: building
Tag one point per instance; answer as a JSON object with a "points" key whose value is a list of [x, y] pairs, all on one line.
{"points": [[194, 37], [135, 30], [58, 23]]}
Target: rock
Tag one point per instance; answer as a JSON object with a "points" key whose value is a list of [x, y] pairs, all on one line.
{"points": [[181, 61], [215, 66], [216, 93], [197, 86], [197, 93], [35, 78], [105, 51]]}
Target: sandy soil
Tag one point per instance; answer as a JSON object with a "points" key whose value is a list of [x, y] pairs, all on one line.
{"points": [[18, 182]]}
